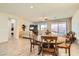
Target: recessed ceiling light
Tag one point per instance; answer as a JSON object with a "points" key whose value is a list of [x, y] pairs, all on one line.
{"points": [[45, 18], [31, 6]]}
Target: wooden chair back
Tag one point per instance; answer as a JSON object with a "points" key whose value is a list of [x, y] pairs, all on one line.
{"points": [[50, 39]]}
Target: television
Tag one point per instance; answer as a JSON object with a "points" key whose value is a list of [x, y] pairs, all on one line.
{"points": [[34, 28], [31, 27]]}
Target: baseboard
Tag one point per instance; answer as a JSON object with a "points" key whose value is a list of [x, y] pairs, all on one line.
{"points": [[3, 42]]}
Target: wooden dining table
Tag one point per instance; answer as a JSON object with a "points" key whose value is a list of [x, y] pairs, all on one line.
{"points": [[60, 39]]}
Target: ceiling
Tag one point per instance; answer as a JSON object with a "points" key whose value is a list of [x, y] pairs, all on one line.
{"points": [[38, 11]]}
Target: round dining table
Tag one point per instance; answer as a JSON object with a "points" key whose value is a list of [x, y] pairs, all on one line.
{"points": [[60, 40]]}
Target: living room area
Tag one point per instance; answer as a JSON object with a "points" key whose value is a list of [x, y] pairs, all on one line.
{"points": [[41, 19]]}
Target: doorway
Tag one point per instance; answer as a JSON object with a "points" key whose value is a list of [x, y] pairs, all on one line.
{"points": [[12, 27]]}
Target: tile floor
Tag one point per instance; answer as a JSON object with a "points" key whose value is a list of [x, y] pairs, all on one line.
{"points": [[22, 48]]}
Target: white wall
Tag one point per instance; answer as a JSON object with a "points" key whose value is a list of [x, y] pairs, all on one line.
{"points": [[75, 24], [27, 23], [4, 26]]}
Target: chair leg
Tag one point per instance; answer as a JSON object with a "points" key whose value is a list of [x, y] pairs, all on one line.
{"points": [[31, 48], [39, 50], [69, 51], [54, 54], [65, 50], [42, 53], [57, 53]]}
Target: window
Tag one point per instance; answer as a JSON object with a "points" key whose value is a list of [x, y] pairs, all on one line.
{"points": [[54, 27], [38, 27], [62, 28], [59, 28], [44, 26]]}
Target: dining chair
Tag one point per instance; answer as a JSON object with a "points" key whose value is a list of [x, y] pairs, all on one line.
{"points": [[66, 46], [49, 45], [33, 42]]}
